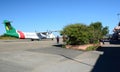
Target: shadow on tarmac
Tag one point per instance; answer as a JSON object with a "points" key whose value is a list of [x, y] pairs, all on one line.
{"points": [[117, 42], [58, 45], [58, 50], [109, 61]]}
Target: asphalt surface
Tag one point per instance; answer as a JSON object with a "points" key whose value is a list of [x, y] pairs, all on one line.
{"points": [[45, 56]]}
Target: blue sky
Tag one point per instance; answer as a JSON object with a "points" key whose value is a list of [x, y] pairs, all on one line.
{"points": [[43, 15]]}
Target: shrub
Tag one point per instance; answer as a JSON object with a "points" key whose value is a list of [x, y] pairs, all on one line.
{"points": [[80, 34], [92, 48]]}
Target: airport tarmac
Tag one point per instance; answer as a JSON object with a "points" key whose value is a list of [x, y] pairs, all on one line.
{"points": [[44, 56]]}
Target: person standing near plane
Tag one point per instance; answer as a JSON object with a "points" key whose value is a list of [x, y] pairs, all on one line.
{"points": [[57, 38]]}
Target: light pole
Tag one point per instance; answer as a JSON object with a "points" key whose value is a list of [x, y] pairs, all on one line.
{"points": [[118, 17]]}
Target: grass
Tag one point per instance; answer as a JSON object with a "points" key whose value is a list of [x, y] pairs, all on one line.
{"points": [[63, 46], [7, 38], [90, 48]]}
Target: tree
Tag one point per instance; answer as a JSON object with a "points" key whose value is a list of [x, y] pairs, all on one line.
{"points": [[78, 34], [97, 31]]}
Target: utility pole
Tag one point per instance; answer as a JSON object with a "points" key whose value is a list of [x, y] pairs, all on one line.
{"points": [[35, 27], [118, 17]]}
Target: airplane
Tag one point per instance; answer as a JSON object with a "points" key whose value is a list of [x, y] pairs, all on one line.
{"points": [[116, 34], [11, 31]]}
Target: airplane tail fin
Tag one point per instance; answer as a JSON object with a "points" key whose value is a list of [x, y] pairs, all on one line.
{"points": [[9, 28]]}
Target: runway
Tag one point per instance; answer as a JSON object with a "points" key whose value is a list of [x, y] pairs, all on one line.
{"points": [[43, 56], [13, 45]]}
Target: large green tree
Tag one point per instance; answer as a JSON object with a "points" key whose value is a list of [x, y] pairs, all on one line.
{"points": [[97, 31], [78, 34]]}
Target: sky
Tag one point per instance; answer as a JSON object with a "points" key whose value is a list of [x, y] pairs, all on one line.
{"points": [[44, 15]]}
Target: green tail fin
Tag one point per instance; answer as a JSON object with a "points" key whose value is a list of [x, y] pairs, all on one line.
{"points": [[10, 30], [8, 27]]}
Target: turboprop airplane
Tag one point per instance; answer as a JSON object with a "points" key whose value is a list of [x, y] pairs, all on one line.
{"points": [[11, 31]]}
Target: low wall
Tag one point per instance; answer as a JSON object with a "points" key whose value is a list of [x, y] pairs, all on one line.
{"points": [[78, 47]]}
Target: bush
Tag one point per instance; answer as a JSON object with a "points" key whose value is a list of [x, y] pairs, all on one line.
{"points": [[92, 48], [80, 34], [76, 34]]}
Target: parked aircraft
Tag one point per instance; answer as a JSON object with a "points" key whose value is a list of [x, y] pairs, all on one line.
{"points": [[116, 34], [11, 31]]}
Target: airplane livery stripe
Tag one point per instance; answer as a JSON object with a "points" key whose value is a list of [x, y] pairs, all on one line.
{"points": [[22, 36]]}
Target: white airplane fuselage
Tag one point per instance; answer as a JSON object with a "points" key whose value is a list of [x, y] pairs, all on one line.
{"points": [[11, 31]]}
